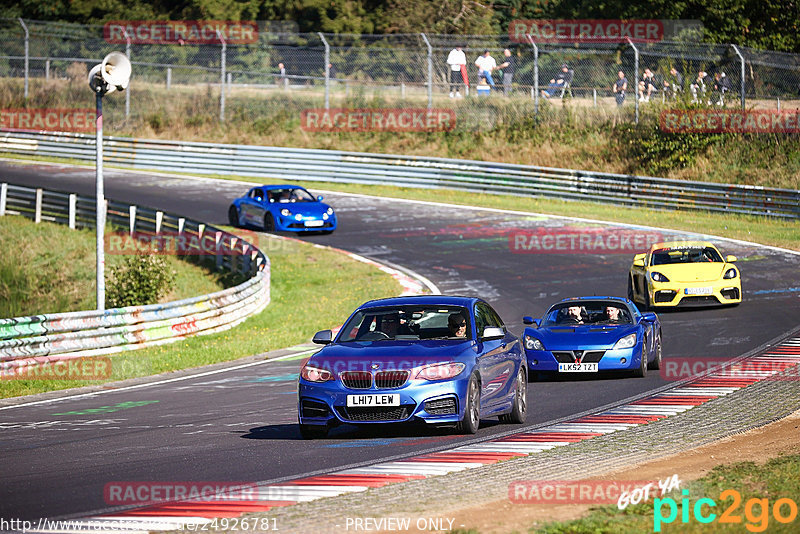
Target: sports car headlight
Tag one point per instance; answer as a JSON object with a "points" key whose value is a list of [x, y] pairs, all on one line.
{"points": [[658, 277], [324, 216], [439, 371], [298, 217], [730, 273], [531, 343], [330, 211], [315, 374], [626, 342], [285, 212]]}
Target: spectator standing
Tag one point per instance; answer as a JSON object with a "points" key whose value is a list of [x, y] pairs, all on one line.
{"points": [[508, 70], [619, 88], [722, 85], [282, 75], [674, 83], [699, 85], [486, 64], [456, 59]]}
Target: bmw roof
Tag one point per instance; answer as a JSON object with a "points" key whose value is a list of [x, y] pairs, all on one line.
{"points": [[422, 300]]}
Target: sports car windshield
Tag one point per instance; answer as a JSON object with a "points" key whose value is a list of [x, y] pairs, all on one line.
{"points": [[290, 195], [669, 256], [588, 313], [407, 322]]}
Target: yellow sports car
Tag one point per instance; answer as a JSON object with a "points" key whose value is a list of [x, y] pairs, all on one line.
{"points": [[684, 273]]}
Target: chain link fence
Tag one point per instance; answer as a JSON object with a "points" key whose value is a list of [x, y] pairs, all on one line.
{"points": [[46, 63]]}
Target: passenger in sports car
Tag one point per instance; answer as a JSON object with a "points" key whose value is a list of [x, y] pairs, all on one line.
{"points": [[615, 315]]}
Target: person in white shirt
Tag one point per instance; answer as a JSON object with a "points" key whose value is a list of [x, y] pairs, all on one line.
{"points": [[486, 64], [456, 59]]}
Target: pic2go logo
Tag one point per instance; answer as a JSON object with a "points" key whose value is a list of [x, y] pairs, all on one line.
{"points": [[756, 511]]}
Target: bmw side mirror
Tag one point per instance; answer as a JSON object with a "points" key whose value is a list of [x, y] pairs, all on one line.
{"points": [[492, 332], [319, 198], [323, 337], [650, 317]]}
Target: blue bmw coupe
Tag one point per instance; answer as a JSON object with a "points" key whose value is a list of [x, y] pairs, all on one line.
{"points": [[283, 208], [591, 334], [441, 360]]}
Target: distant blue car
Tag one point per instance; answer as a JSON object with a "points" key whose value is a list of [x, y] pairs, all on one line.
{"points": [[441, 360], [282, 208], [591, 334]]}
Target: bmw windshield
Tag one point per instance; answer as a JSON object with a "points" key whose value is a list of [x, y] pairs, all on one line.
{"points": [[407, 322]]}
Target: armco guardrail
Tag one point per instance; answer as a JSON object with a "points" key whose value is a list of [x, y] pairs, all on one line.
{"points": [[41, 338], [279, 163]]}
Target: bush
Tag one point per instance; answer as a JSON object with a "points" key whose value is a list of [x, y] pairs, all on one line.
{"points": [[140, 280]]}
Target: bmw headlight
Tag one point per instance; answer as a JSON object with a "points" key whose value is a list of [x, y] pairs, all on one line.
{"points": [[315, 374], [298, 217], [626, 342], [439, 371], [730, 273], [330, 211], [658, 277], [285, 212], [531, 343]]}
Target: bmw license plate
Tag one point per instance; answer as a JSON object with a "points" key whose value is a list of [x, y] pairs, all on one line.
{"points": [[577, 367], [698, 291], [314, 224], [388, 399]]}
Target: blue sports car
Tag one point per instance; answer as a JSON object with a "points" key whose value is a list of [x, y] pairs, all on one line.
{"points": [[590, 334], [441, 360], [284, 208]]}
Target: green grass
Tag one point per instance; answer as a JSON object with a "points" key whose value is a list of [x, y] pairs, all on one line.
{"points": [[48, 268], [779, 478], [312, 289]]}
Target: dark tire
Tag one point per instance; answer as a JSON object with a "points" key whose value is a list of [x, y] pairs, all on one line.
{"points": [[656, 363], [641, 372], [519, 409], [233, 216], [269, 223], [630, 289], [313, 431], [472, 409]]}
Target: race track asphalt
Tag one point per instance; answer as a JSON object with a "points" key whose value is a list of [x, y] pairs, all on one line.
{"points": [[240, 425]]}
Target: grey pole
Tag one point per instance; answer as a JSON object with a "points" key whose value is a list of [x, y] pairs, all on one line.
{"points": [[128, 92], [327, 71], [430, 70], [222, 78], [741, 57], [535, 74], [101, 205], [27, 55], [635, 77]]}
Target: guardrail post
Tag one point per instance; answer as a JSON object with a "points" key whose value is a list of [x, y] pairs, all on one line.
{"points": [[159, 220], [3, 198], [594, 97], [430, 70], [181, 224], [132, 218], [635, 77], [223, 55], [37, 217], [47, 69], [27, 55], [245, 259], [169, 78], [73, 205], [535, 89], [741, 58], [327, 71]]}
